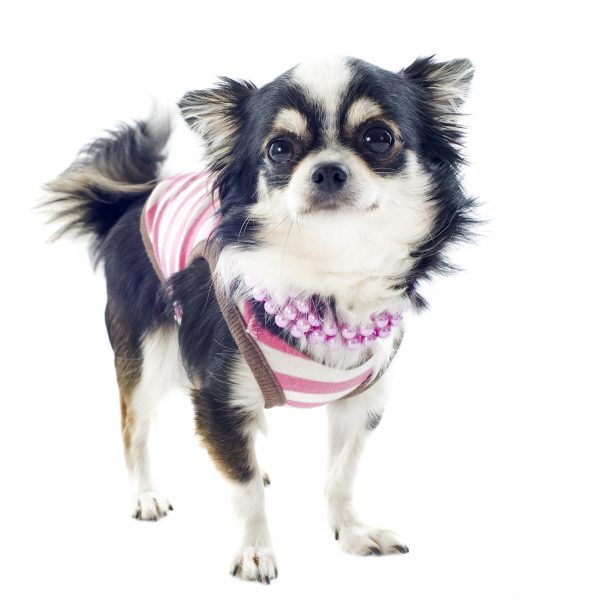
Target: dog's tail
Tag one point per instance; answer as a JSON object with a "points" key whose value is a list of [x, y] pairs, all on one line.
{"points": [[108, 176]]}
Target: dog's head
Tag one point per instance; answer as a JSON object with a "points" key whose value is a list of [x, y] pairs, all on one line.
{"points": [[338, 177]]}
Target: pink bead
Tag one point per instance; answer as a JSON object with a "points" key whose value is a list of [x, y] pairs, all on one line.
{"points": [[330, 328], [259, 294], [369, 340], [352, 343], [290, 312], [270, 307], [303, 306], [281, 320], [348, 332], [382, 320], [396, 318], [313, 319], [384, 331], [332, 341], [303, 324], [316, 336], [366, 330], [296, 331], [178, 311]]}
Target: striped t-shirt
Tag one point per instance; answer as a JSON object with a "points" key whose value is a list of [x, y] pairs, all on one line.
{"points": [[305, 382], [179, 215]]}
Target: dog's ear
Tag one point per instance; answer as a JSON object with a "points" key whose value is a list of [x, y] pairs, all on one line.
{"points": [[216, 115], [446, 84]]}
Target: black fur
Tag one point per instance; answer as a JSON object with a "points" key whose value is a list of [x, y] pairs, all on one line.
{"points": [[137, 302], [110, 175], [410, 98], [102, 194], [209, 353], [374, 421], [428, 128]]}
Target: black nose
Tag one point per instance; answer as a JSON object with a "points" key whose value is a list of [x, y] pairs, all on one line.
{"points": [[329, 177]]}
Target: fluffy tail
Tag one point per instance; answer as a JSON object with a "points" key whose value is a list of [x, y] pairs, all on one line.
{"points": [[108, 176]]}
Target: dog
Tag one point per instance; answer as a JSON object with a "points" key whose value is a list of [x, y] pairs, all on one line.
{"points": [[261, 247]]}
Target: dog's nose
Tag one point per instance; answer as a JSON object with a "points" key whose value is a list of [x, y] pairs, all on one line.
{"points": [[329, 177]]}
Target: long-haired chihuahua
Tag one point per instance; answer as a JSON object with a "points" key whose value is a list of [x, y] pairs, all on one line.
{"points": [[261, 247]]}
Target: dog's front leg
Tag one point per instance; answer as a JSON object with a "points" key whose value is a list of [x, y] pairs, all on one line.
{"points": [[350, 422], [228, 419]]}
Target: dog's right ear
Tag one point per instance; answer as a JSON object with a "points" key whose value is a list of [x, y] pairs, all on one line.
{"points": [[216, 115]]}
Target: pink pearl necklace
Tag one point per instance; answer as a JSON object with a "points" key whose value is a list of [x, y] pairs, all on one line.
{"points": [[299, 317]]}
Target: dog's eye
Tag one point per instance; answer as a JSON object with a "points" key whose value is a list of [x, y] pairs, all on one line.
{"points": [[378, 139], [281, 151]]}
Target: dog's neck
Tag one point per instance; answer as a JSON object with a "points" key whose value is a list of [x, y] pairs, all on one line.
{"points": [[354, 294], [356, 287]]}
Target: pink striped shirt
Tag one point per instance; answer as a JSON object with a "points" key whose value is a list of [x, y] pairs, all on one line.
{"points": [[178, 215], [305, 382]]}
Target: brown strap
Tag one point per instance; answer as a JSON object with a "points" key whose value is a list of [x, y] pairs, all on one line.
{"points": [[264, 375], [256, 360]]}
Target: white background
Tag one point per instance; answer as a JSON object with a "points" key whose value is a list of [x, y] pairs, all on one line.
{"points": [[486, 461]]}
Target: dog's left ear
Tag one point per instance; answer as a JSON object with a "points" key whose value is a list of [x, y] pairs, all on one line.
{"points": [[446, 84], [216, 115]]}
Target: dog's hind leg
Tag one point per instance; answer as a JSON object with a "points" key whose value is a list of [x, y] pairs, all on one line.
{"points": [[146, 370]]}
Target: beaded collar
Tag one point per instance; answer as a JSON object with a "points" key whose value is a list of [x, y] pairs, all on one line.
{"points": [[315, 321]]}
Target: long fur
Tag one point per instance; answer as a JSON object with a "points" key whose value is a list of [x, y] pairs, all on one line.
{"points": [[110, 176], [365, 248]]}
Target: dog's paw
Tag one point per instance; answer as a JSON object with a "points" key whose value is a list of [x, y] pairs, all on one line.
{"points": [[266, 479], [363, 540], [255, 563], [150, 506]]}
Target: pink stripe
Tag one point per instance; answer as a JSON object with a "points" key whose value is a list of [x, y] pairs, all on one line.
{"points": [[267, 338], [184, 224], [191, 234], [160, 214], [310, 386], [149, 216], [305, 404], [151, 213]]}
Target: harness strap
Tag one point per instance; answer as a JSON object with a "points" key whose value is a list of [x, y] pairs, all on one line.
{"points": [[264, 375]]}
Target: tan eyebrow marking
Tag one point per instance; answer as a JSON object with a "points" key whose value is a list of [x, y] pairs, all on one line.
{"points": [[289, 120], [360, 111]]}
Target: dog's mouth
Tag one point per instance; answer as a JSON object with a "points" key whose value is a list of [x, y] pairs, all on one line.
{"points": [[329, 203]]}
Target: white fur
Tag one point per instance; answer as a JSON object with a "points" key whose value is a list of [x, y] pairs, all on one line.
{"points": [[347, 426], [352, 254], [255, 558], [162, 371], [248, 396], [451, 82], [325, 80]]}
